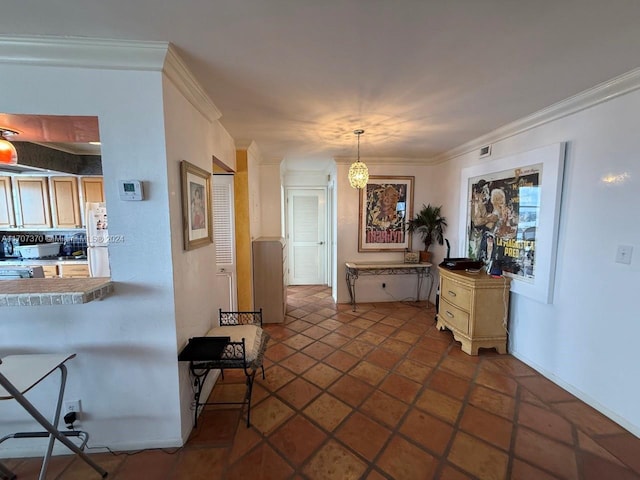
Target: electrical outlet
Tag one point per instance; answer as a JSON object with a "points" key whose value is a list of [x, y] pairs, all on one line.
{"points": [[384, 285], [72, 406]]}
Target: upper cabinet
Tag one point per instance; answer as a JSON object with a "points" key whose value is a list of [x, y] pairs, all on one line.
{"points": [[7, 218], [65, 203], [92, 189], [32, 202]]}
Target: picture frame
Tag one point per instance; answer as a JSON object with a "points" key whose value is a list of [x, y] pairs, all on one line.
{"points": [[509, 217], [196, 206], [386, 204]]}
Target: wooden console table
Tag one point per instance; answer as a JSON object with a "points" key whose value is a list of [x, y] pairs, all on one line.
{"points": [[421, 270]]}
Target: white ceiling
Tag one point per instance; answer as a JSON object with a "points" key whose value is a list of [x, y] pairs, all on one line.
{"points": [[419, 76]]}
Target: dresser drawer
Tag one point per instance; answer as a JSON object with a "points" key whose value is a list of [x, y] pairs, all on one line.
{"points": [[456, 294], [454, 317]]}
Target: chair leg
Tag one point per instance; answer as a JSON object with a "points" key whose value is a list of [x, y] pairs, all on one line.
{"points": [[262, 367], [250, 379]]}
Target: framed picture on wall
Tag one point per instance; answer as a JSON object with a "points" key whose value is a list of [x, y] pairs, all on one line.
{"points": [[196, 206], [510, 217], [386, 203]]}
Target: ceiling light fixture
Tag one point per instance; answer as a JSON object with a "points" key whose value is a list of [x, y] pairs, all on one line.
{"points": [[358, 171], [8, 154]]}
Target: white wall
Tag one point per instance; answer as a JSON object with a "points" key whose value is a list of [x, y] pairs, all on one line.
{"points": [[270, 200], [134, 392], [369, 288], [126, 370], [586, 339]]}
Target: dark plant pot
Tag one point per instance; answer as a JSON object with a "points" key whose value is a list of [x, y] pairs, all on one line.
{"points": [[425, 257]]}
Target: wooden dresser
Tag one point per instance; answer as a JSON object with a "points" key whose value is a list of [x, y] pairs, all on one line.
{"points": [[269, 278], [475, 307]]}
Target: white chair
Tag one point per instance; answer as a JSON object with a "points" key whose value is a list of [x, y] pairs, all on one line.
{"points": [[18, 375]]}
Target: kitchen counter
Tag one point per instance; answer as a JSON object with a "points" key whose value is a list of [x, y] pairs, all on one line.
{"points": [[42, 261], [53, 291]]}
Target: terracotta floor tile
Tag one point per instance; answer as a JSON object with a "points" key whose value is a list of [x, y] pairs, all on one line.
{"points": [[396, 346], [478, 458], [149, 464], [384, 408], [546, 422], [327, 411], [624, 446], [322, 375], [299, 326], [545, 389], [276, 377], [512, 366], [341, 360], [362, 323], [30, 467], [351, 390], [269, 414], [400, 387], [442, 406], [329, 324], [545, 453], [394, 322], [587, 418], [333, 462], [384, 358], [299, 392], [297, 439], [425, 356], [452, 473], [298, 362], [199, 464], [462, 369], [262, 463], [358, 348], [298, 341], [363, 435], [525, 471], [368, 372], [80, 470], [493, 402], [449, 384], [403, 460], [436, 345], [382, 329], [406, 336], [597, 468], [245, 440], [503, 383], [414, 370], [373, 315], [349, 331], [428, 431], [372, 338], [335, 340], [215, 427], [278, 351], [487, 426], [316, 332], [319, 350]]}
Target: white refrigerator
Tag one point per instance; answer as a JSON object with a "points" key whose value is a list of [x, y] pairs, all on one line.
{"points": [[97, 239]]}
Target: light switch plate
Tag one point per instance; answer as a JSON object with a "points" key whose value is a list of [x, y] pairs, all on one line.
{"points": [[624, 253]]}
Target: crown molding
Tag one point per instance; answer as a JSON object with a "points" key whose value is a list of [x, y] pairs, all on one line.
{"points": [[82, 52], [603, 92], [177, 71]]}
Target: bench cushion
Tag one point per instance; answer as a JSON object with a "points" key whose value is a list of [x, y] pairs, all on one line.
{"points": [[252, 335]]}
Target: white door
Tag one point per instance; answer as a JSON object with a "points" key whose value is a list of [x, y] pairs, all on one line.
{"points": [[306, 236], [225, 241]]}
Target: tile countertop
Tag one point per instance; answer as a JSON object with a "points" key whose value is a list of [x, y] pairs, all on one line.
{"points": [[53, 291]]}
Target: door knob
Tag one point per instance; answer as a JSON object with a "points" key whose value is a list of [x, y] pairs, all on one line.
{"points": [[320, 243]]}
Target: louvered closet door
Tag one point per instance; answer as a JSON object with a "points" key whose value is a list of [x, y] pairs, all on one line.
{"points": [[307, 236], [225, 241]]}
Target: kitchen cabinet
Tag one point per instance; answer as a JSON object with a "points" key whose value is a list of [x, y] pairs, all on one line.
{"points": [[50, 271], [7, 217], [31, 196], [269, 278], [475, 308], [92, 189], [73, 270], [65, 202]]}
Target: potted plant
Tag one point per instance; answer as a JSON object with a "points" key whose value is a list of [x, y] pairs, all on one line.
{"points": [[430, 224]]}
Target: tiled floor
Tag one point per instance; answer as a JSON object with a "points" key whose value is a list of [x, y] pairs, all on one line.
{"points": [[376, 394]]}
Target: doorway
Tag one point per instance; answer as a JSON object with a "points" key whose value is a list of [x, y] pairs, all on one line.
{"points": [[306, 236]]}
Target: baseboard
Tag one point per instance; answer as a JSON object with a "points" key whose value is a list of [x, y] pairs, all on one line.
{"points": [[635, 429]]}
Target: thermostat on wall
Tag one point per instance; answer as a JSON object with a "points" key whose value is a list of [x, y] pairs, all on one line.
{"points": [[131, 190]]}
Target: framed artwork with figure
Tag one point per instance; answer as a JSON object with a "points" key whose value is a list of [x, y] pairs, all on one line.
{"points": [[196, 206], [386, 203]]}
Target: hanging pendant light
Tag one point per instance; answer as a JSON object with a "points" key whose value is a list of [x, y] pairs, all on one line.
{"points": [[8, 154], [358, 171]]}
